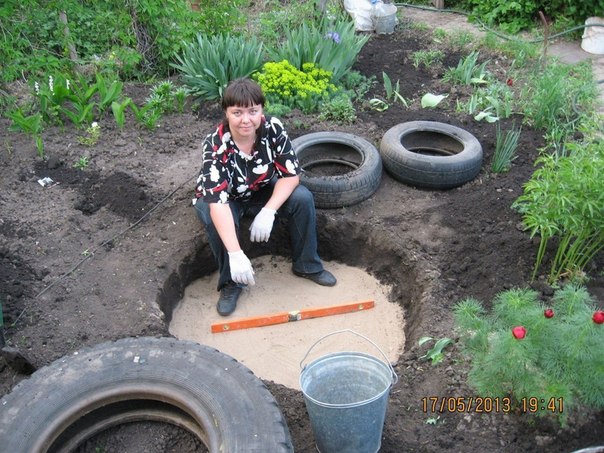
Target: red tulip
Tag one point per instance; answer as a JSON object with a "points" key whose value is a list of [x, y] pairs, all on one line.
{"points": [[598, 317], [549, 313], [519, 332]]}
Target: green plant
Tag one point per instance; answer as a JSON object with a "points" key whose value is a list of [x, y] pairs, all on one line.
{"points": [[430, 100], [119, 111], [427, 58], [565, 199], [558, 98], [524, 350], [330, 46], [392, 92], [338, 109], [108, 92], [146, 115], [121, 61], [78, 113], [515, 16], [496, 96], [51, 96], [31, 124], [82, 163], [505, 149], [356, 85], [210, 63], [277, 18], [461, 38], [468, 71], [276, 109], [439, 35], [180, 97], [283, 83], [167, 98], [378, 104], [162, 96], [93, 133], [435, 353], [433, 420]]}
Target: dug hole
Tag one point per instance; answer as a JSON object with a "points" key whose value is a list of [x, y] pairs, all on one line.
{"points": [[275, 352]]}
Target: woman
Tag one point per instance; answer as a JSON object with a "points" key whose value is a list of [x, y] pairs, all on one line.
{"points": [[250, 168]]}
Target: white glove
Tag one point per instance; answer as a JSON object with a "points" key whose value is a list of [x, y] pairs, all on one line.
{"points": [[241, 268], [262, 225]]}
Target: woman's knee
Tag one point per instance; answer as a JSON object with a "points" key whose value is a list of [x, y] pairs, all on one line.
{"points": [[302, 196]]}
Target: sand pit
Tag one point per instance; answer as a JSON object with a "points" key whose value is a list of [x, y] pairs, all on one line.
{"points": [[275, 352]]}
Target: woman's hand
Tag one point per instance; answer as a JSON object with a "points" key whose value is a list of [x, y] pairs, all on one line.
{"points": [[262, 225], [241, 268]]}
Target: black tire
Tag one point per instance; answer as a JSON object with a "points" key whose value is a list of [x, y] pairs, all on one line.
{"points": [[431, 154], [351, 168], [183, 383]]}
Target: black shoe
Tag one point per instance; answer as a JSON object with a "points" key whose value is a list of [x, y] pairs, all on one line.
{"points": [[323, 278], [228, 299]]}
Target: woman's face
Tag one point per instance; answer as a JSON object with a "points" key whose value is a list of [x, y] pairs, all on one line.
{"points": [[243, 121]]}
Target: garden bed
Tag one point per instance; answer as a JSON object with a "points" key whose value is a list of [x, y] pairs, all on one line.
{"points": [[78, 268]]}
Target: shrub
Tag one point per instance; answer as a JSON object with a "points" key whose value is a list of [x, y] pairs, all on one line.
{"points": [[522, 14], [282, 83], [105, 34], [208, 64], [547, 359]]}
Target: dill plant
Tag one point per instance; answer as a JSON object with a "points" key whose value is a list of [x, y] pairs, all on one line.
{"points": [[524, 349], [284, 84]]}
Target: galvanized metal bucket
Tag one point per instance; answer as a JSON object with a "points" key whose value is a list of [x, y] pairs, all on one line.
{"points": [[346, 396]]}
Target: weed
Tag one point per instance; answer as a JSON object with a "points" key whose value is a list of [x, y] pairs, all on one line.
{"points": [[29, 124], [82, 163], [427, 58], [339, 109], [505, 149], [92, 136], [468, 71]]}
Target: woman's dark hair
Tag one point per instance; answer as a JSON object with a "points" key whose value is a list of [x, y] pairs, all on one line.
{"points": [[242, 92]]}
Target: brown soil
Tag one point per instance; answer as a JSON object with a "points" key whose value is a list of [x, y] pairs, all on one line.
{"points": [[79, 267]]}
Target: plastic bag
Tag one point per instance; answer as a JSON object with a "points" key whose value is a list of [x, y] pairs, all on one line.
{"points": [[360, 11]]}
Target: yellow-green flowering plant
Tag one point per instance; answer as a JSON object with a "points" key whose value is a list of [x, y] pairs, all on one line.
{"points": [[284, 84]]}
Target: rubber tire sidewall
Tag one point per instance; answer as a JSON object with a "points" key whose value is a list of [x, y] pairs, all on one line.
{"points": [[233, 406], [436, 172], [342, 190]]}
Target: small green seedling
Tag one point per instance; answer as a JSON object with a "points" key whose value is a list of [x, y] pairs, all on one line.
{"points": [[436, 352], [432, 420]]}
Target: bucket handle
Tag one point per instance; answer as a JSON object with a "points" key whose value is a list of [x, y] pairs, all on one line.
{"points": [[394, 381]]}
